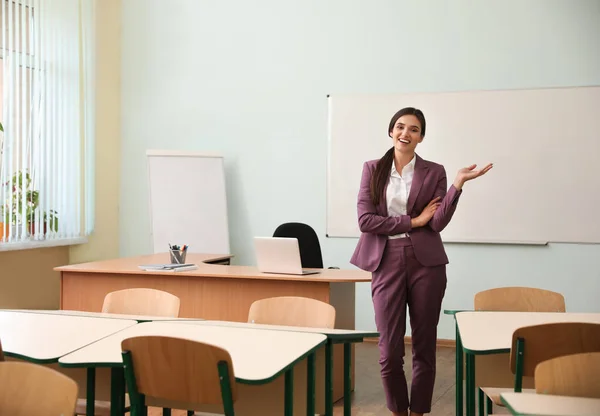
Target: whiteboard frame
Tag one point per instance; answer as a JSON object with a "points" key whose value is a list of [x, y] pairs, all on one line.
{"points": [[445, 239]]}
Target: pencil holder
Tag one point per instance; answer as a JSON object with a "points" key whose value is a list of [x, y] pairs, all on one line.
{"points": [[177, 256]]}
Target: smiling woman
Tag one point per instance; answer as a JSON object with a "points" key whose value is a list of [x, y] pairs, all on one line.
{"points": [[403, 205], [45, 97]]}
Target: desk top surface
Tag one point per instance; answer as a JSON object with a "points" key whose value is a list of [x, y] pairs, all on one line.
{"points": [[547, 405], [332, 333], [44, 338], [138, 318], [129, 265], [257, 355], [482, 332]]}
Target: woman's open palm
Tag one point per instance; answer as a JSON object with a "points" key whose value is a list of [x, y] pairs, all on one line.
{"points": [[468, 173]]}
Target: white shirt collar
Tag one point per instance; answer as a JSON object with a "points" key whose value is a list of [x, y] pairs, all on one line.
{"points": [[409, 168]]}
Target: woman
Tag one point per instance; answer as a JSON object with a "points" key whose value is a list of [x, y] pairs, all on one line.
{"points": [[402, 208]]}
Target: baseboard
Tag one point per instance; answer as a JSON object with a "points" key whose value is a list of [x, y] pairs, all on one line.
{"points": [[444, 343]]}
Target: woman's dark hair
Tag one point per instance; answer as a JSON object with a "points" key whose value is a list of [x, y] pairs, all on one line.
{"points": [[384, 165]]}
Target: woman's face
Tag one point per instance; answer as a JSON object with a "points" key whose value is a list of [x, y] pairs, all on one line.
{"points": [[406, 134]]}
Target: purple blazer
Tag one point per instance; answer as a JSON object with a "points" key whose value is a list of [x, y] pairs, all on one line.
{"points": [[429, 181]]}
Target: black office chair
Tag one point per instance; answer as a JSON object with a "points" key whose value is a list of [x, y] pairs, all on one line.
{"points": [[308, 241]]}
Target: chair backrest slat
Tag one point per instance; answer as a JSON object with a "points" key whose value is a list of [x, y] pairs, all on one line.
{"points": [[547, 341], [32, 389], [292, 311], [142, 301], [178, 369], [519, 299], [570, 375]]}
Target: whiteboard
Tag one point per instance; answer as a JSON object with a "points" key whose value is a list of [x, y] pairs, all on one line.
{"points": [[544, 143], [188, 203]]}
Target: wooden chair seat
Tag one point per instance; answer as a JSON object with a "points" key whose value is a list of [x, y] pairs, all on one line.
{"points": [[494, 393]]}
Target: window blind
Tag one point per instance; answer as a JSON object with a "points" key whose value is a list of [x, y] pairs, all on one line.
{"points": [[46, 168]]}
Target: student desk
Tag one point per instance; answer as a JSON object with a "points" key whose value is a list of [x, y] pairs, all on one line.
{"points": [[213, 291], [45, 338], [334, 336], [258, 357], [491, 333], [527, 404]]}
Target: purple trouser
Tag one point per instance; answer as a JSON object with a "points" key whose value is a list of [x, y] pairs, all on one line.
{"points": [[400, 280]]}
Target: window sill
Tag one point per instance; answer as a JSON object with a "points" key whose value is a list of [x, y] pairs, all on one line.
{"points": [[32, 244]]}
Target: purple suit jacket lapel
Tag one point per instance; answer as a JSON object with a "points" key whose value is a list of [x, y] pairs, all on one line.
{"points": [[421, 170]]}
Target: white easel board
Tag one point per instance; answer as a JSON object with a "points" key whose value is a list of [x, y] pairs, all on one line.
{"points": [[188, 203]]}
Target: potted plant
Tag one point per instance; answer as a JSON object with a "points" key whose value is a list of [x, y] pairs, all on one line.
{"points": [[50, 219], [21, 192]]}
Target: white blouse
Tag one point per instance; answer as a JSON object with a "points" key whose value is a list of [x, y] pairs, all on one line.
{"points": [[397, 191]]}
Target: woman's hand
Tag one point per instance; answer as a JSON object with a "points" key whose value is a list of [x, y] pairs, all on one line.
{"points": [[426, 214], [468, 173]]}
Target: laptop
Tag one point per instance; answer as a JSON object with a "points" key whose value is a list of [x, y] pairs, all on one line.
{"points": [[279, 255]]}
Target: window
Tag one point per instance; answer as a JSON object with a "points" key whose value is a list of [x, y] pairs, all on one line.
{"points": [[46, 148]]}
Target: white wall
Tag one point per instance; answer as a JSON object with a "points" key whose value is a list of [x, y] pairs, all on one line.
{"points": [[250, 79]]}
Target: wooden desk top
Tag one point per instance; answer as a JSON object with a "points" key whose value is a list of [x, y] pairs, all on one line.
{"points": [[138, 318], [43, 338], [258, 356], [489, 332], [129, 265], [547, 405], [336, 334]]}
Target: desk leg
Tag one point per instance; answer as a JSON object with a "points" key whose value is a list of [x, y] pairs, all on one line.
{"points": [[310, 385], [329, 378], [481, 402], [289, 393], [117, 391], [470, 358], [143, 410], [459, 373], [90, 396], [347, 378]]}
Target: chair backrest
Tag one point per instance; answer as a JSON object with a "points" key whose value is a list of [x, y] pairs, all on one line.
{"points": [[142, 301], [32, 389], [519, 299], [179, 370], [493, 370], [308, 242], [570, 375], [547, 341], [292, 311]]}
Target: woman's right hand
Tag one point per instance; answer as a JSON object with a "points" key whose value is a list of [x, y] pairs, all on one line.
{"points": [[426, 214]]}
